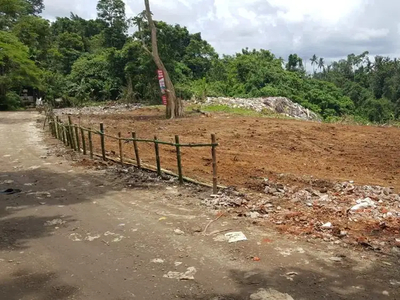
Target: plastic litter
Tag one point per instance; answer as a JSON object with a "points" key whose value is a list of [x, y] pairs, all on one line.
{"points": [[234, 237]]}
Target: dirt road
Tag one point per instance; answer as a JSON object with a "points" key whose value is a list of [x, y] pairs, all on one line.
{"points": [[74, 233]]}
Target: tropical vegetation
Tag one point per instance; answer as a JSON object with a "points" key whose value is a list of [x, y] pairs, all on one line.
{"points": [[82, 60]]}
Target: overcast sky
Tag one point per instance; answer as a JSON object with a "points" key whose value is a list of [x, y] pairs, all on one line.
{"points": [[328, 28]]}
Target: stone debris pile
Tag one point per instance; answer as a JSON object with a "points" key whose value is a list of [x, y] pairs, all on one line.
{"points": [[112, 108], [343, 213], [225, 200], [280, 105]]}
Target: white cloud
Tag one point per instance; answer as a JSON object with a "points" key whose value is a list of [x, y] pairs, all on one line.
{"points": [[328, 28]]}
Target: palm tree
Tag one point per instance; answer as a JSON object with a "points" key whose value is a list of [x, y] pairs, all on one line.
{"points": [[321, 63], [314, 61]]}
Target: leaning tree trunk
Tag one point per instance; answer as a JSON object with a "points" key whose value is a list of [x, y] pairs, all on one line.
{"points": [[174, 104]]}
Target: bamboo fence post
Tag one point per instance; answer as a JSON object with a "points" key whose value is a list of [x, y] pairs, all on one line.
{"points": [[121, 155], [65, 132], [65, 136], [60, 130], [56, 128], [68, 128], [51, 127], [71, 133], [60, 133], [90, 142], [78, 143], [157, 150], [103, 149], [214, 163], [83, 141], [136, 148], [178, 158]]}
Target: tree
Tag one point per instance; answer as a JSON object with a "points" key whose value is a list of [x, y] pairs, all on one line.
{"points": [[71, 47], [10, 10], [16, 69], [314, 61], [295, 63], [35, 7], [174, 104], [91, 77], [35, 33], [321, 63], [112, 12]]}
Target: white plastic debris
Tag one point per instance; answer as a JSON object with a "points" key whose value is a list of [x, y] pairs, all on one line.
{"points": [[363, 203], [188, 275], [54, 222], [327, 225], [234, 237], [75, 237], [158, 261], [92, 238]]}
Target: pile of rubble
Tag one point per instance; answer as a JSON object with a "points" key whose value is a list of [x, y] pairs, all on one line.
{"points": [[111, 108], [344, 214], [278, 105]]}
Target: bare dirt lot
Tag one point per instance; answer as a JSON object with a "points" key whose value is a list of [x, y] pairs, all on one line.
{"points": [[254, 148]]}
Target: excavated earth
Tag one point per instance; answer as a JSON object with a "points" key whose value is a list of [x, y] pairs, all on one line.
{"points": [[251, 148]]}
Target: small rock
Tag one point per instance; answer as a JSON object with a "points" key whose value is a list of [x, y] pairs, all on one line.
{"points": [[188, 275], [396, 250], [336, 259], [270, 294], [323, 190], [179, 232], [394, 282], [254, 215]]}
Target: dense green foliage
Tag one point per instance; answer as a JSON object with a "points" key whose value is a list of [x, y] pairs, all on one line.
{"points": [[97, 60]]}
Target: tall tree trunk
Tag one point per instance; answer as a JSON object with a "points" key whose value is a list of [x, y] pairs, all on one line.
{"points": [[174, 104]]}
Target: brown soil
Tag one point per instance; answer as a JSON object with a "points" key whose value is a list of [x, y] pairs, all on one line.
{"points": [[254, 148]]}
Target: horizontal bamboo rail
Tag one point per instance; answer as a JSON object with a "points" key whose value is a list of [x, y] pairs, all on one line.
{"points": [[57, 127]]}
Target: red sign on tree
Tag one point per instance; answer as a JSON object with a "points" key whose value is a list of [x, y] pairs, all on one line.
{"points": [[161, 80]]}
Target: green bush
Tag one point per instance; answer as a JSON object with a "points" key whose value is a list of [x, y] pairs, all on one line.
{"points": [[10, 101]]}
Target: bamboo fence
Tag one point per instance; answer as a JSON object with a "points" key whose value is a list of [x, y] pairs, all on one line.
{"points": [[74, 136]]}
